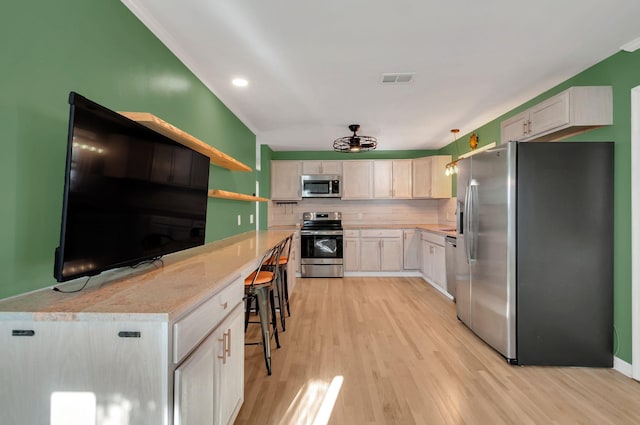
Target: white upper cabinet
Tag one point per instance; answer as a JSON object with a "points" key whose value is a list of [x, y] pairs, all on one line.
{"points": [[514, 128], [392, 179], [402, 178], [356, 180], [285, 180], [429, 179], [322, 167], [570, 112], [383, 179]]}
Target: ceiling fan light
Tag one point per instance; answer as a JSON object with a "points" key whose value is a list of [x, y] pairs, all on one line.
{"points": [[355, 143]]}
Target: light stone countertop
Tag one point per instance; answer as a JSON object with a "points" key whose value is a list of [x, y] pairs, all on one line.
{"points": [[156, 292], [443, 229]]}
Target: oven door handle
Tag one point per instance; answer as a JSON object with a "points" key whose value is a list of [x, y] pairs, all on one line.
{"points": [[321, 232]]}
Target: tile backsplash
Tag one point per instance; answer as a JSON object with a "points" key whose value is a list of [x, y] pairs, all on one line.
{"points": [[383, 211]]}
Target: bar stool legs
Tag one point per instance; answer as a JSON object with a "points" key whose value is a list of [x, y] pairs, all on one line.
{"points": [[264, 302], [261, 295], [281, 297], [285, 284]]}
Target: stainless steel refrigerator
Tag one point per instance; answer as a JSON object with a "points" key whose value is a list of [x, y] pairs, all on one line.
{"points": [[534, 255]]}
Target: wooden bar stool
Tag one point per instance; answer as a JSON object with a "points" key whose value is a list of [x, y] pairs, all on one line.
{"points": [[258, 286]]}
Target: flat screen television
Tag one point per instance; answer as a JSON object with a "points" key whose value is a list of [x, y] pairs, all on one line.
{"points": [[130, 193]]}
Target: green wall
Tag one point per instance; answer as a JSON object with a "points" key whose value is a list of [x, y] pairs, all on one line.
{"points": [[100, 50], [327, 155], [621, 72]]}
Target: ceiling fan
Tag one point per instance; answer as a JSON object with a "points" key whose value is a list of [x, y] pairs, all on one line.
{"points": [[355, 143]]}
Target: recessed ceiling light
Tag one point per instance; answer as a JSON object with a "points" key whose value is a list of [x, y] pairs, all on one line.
{"points": [[240, 82]]}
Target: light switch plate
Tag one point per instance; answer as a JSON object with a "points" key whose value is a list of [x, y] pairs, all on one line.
{"points": [[239, 219]]}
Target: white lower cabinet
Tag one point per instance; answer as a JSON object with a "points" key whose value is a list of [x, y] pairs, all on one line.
{"points": [[351, 251], [230, 367], [433, 266], [411, 249], [209, 383], [381, 250], [100, 372], [142, 368], [194, 385]]}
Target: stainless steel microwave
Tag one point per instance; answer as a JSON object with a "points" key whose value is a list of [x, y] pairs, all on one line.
{"points": [[321, 186]]}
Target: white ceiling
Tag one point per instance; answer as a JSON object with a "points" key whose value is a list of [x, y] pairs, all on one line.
{"points": [[314, 67]]}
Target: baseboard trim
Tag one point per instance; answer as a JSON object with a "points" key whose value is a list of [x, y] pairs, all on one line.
{"points": [[622, 367], [438, 288], [383, 274]]}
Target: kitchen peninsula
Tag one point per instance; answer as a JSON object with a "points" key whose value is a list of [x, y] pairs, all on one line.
{"points": [[148, 347]]}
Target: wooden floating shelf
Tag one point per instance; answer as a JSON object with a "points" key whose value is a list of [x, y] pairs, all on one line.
{"points": [[217, 157], [217, 193]]}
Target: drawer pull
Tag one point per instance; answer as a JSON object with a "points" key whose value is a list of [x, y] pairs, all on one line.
{"points": [[129, 334], [225, 305], [22, 332]]}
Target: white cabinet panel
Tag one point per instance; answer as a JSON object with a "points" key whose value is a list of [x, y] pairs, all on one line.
{"points": [[285, 180], [433, 265], [402, 178], [411, 249], [230, 367], [569, 112], [122, 364], [429, 180], [381, 250], [351, 254], [370, 254], [391, 256], [209, 383], [357, 180], [382, 179], [192, 328], [321, 167], [515, 128], [194, 385]]}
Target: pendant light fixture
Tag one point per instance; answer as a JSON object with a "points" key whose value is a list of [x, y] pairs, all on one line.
{"points": [[452, 167], [355, 143]]}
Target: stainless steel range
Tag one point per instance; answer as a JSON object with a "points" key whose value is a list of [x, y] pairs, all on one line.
{"points": [[321, 244]]}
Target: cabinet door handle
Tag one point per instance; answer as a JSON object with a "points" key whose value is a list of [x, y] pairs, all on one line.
{"points": [[229, 342], [223, 340], [225, 305]]}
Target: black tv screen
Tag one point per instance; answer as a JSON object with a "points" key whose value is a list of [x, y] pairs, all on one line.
{"points": [[130, 193]]}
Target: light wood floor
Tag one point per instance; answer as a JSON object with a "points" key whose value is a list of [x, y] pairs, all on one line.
{"points": [[406, 359]]}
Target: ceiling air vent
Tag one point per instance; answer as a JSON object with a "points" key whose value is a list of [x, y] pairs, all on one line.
{"points": [[398, 78]]}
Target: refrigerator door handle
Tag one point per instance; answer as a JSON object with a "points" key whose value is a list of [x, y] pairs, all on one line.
{"points": [[472, 229], [467, 229]]}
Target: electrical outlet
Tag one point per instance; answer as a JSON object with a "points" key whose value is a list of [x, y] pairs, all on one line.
{"points": [[251, 219], [239, 219]]}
